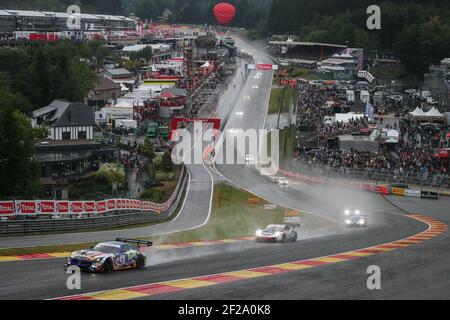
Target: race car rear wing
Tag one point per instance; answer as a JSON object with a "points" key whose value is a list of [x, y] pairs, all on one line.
{"points": [[138, 242], [294, 225]]}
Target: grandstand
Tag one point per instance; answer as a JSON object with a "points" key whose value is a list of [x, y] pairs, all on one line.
{"points": [[46, 21]]}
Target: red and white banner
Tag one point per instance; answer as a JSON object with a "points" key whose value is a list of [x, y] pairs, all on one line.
{"points": [[89, 207], [62, 207], [50, 207], [100, 206], [25, 207], [111, 205], [6, 208], [262, 67], [45, 207], [76, 207]]}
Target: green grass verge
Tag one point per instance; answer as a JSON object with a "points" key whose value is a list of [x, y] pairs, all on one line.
{"points": [[232, 217], [287, 153], [275, 99]]}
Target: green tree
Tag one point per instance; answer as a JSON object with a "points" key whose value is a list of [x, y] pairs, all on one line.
{"points": [[151, 173], [19, 169], [148, 150], [55, 71], [167, 164], [18, 101], [113, 173], [145, 54], [147, 9]]}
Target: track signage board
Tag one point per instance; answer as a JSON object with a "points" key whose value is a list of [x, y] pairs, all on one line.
{"points": [[291, 217], [430, 195], [262, 67]]}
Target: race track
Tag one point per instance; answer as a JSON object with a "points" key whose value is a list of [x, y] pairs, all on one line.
{"points": [[418, 271]]}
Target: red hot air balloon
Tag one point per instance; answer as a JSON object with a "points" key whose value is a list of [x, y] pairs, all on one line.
{"points": [[224, 13]]}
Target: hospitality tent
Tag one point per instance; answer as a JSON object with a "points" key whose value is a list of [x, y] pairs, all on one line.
{"points": [[434, 113], [393, 134], [418, 113], [365, 96]]}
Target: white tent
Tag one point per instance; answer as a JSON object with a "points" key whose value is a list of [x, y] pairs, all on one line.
{"points": [[393, 134], [418, 113], [392, 140], [365, 96], [350, 95], [434, 113]]}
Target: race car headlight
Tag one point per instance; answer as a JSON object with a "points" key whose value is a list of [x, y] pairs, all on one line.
{"points": [[357, 212], [258, 233], [97, 260], [361, 222], [348, 222], [278, 233], [347, 212]]}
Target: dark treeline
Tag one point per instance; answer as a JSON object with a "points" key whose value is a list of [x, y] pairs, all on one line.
{"points": [[62, 70], [417, 30]]}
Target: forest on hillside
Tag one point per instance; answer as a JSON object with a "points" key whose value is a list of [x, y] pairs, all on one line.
{"points": [[419, 31]]}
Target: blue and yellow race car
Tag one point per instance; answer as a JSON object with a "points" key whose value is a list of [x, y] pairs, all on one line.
{"points": [[110, 256]]}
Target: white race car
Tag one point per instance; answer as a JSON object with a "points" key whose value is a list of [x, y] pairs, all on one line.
{"points": [[277, 233], [354, 218]]}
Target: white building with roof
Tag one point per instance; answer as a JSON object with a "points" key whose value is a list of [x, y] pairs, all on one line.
{"points": [[66, 120]]}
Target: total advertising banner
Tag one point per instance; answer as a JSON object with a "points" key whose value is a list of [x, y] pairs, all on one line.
{"points": [[6, 208], [25, 207], [76, 207], [62, 207], [51, 207], [262, 67], [89, 207], [45, 207], [101, 206], [111, 205]]}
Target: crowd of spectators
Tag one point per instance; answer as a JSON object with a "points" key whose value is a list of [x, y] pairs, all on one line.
{"points": [[415, 155], [132, 160], [338, 128], [310, 107]]}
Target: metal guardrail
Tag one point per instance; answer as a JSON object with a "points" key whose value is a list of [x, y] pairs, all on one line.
{"points": [[20, 227]]}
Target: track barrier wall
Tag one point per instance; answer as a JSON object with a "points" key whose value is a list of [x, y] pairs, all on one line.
{"points": [[26, 216], [380, 189]]}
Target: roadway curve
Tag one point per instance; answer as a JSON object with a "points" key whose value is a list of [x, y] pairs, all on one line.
{"points": [[419, 271]]}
